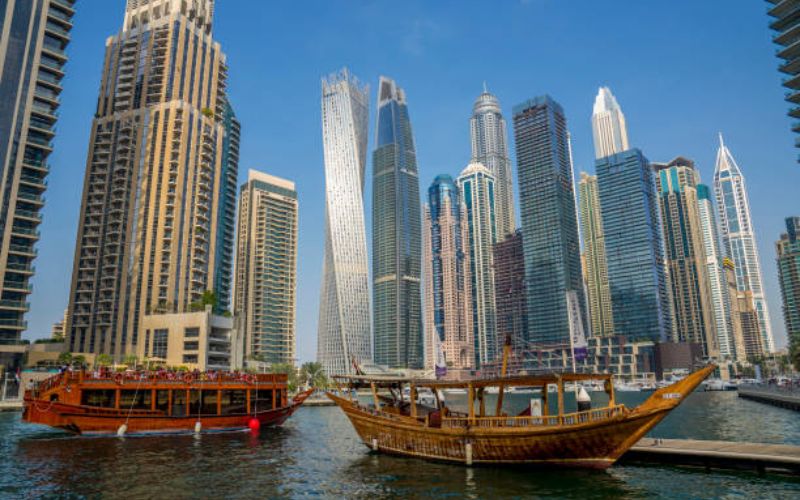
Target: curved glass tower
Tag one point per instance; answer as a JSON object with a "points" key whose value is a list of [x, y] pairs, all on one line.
{"points": [[738, 235], [490, 147], [343, 335], [396, 232]]}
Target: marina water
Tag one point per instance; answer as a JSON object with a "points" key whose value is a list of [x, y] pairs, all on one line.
{"points": [[317, 453]]}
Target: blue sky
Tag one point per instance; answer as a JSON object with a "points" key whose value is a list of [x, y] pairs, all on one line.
{"points": [[682, 70]]}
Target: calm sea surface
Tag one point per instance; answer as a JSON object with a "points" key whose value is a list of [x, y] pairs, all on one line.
{"points": [[318, 454]]}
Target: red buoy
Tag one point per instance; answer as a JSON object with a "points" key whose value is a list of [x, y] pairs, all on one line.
{"points": [[254, 424]]}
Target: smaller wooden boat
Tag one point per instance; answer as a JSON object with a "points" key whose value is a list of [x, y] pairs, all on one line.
{"points": [[147, 402], [593, 437]]}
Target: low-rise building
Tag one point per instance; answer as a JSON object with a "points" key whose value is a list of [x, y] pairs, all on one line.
{"points": [[200, 340]]}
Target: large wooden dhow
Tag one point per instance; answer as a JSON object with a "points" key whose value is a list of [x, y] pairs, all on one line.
{"points": [[156, 402], [593, 438]]}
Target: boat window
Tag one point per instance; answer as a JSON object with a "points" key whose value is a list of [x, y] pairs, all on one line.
{"points": [[203, 402], [262, 399], [135, 400], [102, 398], [178, 403], [234, 402], [162, 400]]}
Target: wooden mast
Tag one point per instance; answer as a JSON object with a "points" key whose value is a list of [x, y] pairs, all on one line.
{"points": [[503, 370]]}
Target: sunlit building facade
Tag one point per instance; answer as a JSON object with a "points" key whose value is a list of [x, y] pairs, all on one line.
{"points": [[595, 269], [608, 125], [343, 331]]}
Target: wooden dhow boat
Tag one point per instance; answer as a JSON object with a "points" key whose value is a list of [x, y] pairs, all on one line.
{"points": [[159, 402], [593, 438]]}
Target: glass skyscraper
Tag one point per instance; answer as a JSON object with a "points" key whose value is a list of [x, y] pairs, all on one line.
{"points": [[490, 147], [738, 235], [158, 173], [448, 287], [477, 186], [685, 254], [266, 268], [34, 35], [786, 24], [633, 247], [549, 222], [343, 331], [788, 248], [396, 233], [594, 258]]}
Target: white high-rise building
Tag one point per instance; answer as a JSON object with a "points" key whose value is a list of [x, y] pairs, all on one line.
{"points": [[608, 125], [738, 235], [720, 304], [490, 148], [343, 334]]}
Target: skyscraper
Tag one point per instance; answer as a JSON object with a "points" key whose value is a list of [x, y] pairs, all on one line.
{"points": [[34, 35], [745, 338], [595, 268], [714, 270], [396, 231], [477, 187], [738, 235], [266, 267], [509, 292], [490, 147], [343, 334], [549, 223], [149, 223], [227, 210], [785, 23], [633, 247], [693, 318], [608, 125], [788, 248], [448, 287]]}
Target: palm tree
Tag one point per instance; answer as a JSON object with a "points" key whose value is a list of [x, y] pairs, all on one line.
{"points": [[103, 360], [65, 358], [313, 375], [130, 360], [78, 360]]}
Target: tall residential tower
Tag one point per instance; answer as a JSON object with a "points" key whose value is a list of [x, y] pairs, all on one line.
{"points": [[155, 182], [448, 286], [738, 235], [789, 276], [549, 222], [33, 38], [396, 233], [595, 268], [266, 268], [490, 147], [608, 125], [343, 332]]}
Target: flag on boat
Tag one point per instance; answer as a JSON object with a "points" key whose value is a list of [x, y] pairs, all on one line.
{"points": [[441, 363]]}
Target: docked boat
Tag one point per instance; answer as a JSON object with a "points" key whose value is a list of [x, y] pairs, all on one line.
{"points": [[573, 437], [144, 402]]}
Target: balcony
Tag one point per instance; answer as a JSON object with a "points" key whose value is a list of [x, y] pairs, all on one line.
{"points": [[14, 324], [25, 250], [17, 286], [17, 305]]}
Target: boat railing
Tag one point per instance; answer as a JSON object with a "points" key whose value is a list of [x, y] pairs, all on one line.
{"points": [[535, 421]]}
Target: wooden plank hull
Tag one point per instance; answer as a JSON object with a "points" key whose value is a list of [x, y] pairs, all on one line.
{"points": [[577, 442]]}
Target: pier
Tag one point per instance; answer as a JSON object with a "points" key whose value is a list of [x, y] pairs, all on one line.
{"points": [[11, 405], [776, 396], [761, 458]]}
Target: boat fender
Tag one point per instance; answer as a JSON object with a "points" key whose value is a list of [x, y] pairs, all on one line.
{"points": [[375, 444], [118, 378], [122, 430], [198, 427], [468, 453], [584, 401], [253, 424]]}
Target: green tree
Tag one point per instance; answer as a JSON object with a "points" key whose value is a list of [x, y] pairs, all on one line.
{"points": [[65, 358], [103, 360], [209, 298], [312, 375], [131, 360], [78, 360], [289, 370]]}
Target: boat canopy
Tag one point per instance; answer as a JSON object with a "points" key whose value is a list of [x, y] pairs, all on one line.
{"points": [[516, 381]]}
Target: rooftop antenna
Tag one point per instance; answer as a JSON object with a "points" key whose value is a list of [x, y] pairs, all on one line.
{"points": [[485, 90]]}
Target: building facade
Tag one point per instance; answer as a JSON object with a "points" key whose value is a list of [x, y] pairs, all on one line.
{"points": [[448, 286], [788, 248], [343, 332], [640, 301], [714, 270], [34, 35], [786, 25], [690, 289], [490, 147], [738, 235], [226, 213], [396, 235], [743, 325], [608, 125], [477, 187], [549, 221], [149, 221], [595, 269], [509, 292], [266, 268]]}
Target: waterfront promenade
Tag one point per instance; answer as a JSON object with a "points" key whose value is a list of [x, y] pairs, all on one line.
{"points": [[770, 394]]}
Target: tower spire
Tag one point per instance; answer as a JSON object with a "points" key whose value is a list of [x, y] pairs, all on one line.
{"points": [[485, 89]]}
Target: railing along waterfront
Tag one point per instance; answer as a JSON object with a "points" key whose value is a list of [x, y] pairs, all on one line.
{"points": [[581, 417]]}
